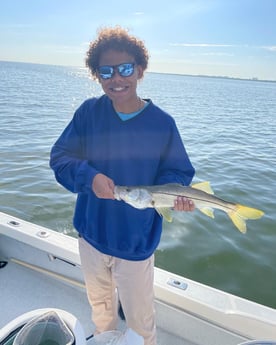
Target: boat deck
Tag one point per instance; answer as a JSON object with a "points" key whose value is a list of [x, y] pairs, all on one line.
{"points": [[24, 289], [43, 271]]}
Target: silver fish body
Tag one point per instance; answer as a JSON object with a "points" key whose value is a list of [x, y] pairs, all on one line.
{"points": [[162, 198]]}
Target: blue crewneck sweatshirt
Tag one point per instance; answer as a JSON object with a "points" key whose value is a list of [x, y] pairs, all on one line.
{"points": [[144, 150]]}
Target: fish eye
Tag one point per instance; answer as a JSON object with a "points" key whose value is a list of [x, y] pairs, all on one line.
{"points": [[128, 189]]}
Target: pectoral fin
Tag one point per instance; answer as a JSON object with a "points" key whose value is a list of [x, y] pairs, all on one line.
{"points": [[165, 213]]}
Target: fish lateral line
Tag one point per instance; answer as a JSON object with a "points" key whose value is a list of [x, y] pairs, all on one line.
{"points": [[214, 202]]}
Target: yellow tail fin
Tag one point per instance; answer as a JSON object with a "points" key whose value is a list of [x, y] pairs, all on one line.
{"points": [[241, 213]]}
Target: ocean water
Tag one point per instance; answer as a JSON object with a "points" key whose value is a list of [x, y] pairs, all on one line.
{"points": [[229, 130]]}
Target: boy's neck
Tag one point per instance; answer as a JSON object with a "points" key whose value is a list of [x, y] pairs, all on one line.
{"points": [[129, 107]]}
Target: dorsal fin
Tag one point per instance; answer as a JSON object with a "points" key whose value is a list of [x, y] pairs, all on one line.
{"points": [[204, 186]]}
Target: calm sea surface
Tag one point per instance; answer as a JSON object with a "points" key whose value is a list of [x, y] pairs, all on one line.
{"points": [[229, 130]]}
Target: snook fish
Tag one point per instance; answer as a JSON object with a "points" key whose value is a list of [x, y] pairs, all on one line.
{"points": [[162, 198]]}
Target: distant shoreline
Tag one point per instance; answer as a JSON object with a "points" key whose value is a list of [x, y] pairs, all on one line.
{"points": [[217, 76], [169, 73]]}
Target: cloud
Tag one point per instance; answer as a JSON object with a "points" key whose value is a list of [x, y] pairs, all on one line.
{"points": [[201, 45], [270, 48], [217, 54], [208, 45]]}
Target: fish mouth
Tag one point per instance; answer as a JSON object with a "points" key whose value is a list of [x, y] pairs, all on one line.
{"points": [[117, 193]]}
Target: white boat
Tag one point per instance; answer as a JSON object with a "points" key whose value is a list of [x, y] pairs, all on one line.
{"points": [[43, 273]]}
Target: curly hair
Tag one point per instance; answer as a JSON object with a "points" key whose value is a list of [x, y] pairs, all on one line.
{"points": [[118, 39]]}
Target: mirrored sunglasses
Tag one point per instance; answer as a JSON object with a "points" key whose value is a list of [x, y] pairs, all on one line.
{"points": [[124, 70]]}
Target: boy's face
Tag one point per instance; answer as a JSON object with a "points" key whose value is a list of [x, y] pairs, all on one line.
{"points": [[121, 90]]}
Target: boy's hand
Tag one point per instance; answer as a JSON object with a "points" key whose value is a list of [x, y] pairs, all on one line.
{"points": [[103, 187], [184, 204]]}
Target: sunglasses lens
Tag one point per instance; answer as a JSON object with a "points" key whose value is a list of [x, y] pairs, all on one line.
{"points": [[126, 69], [106, 72]]}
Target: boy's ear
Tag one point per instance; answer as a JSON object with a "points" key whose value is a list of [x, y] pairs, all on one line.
{"points": [[140, 72]]}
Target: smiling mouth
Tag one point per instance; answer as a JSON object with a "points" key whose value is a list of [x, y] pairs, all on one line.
{"points": [[119, 88]]}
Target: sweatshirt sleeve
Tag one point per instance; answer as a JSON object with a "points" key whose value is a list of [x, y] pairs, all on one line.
{"points": [[72, 170], [175, 165]]}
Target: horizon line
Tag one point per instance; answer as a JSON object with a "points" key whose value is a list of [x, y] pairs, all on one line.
{"points": [[170, 73]]}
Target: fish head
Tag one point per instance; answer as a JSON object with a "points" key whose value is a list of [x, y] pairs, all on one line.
{"points": [[135, 196]]}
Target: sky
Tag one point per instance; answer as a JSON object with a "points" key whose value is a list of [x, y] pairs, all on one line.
{"points": [[234, 38]]}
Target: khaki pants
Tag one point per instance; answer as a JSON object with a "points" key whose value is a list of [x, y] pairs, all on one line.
{"points": [[133, 280]]}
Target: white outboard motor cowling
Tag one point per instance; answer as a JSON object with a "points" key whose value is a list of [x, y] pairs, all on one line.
{"points": [[42, 326]]}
